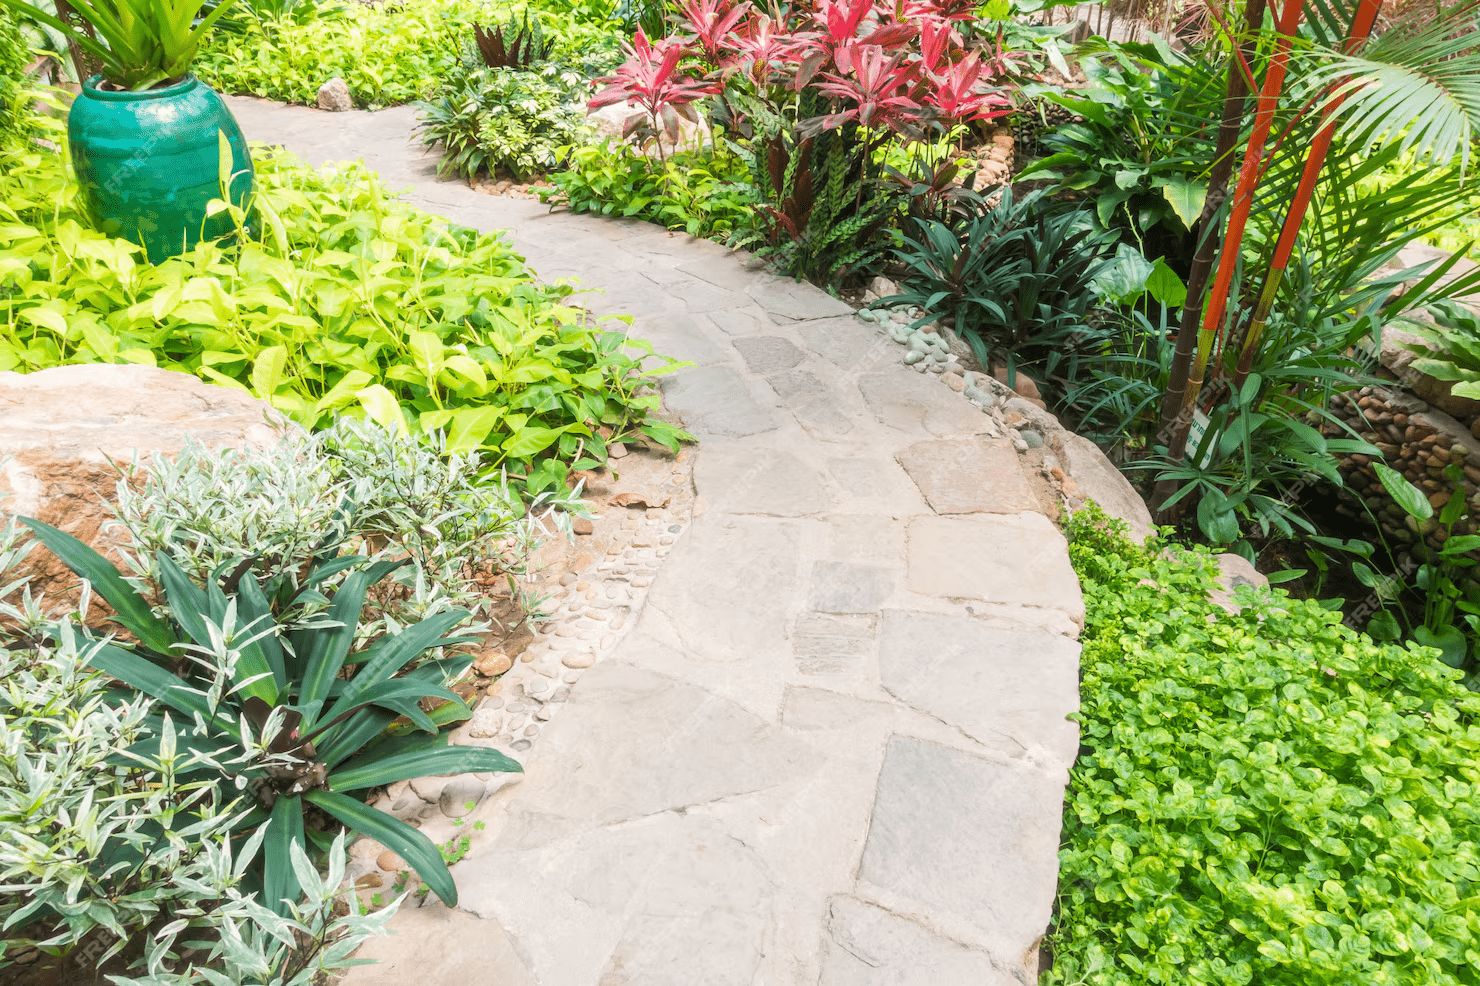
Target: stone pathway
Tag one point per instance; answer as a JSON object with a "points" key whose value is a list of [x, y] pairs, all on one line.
{"points": [[832, 748]]}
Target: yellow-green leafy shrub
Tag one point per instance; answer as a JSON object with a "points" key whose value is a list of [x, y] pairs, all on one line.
{"points": [[349, 303]]}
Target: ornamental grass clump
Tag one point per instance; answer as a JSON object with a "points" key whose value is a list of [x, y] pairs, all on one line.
{"points": [[1266, 797]]}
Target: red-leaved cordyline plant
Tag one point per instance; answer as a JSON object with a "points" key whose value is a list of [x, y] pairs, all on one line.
{"points": [[900, 66], [713, 23], [649, 79]]}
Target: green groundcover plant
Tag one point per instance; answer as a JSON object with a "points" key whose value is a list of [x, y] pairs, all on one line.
{"points": [[1260, 798], [349, 303], [698, 191]]}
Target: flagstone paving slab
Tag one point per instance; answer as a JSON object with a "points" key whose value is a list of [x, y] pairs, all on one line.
{"points": [[828, 746]]}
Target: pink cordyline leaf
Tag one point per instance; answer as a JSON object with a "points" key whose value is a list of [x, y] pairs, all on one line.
{"points": [[713, 22], [759, 42], [646, 78], [879, 86], [939, 10], [956, 94]]}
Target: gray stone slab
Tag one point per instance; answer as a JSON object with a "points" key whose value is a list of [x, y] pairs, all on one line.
{"points": [[634, 743], [794, 301], [810, 708], [848, 344], [724, 589], [438, 944], [919, 404], [869, 946], [969, 840], [1012, 558], [847, 587], [1007, 689], [741, 322], [768, 354], [681, 338], [739, 480], [969, 475], [830, 644], [716, 402], [729, 272], [811, 401], [670, 899]]}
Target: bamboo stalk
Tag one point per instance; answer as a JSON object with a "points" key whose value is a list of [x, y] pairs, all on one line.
{"points": [[1361, 30], [1238, 217]]}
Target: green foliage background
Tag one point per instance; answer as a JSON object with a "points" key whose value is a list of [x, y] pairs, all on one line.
{"points": [[1263, 798], [12, 71], [387, 54]]}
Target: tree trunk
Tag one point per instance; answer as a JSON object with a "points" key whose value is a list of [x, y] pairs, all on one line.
{"points": [[1172, 431]]}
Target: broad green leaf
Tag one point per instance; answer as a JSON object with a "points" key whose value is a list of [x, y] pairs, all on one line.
{"points": [[284, 830], [1404, 494], [268, 370], [128, 606], [382, 407], [422, 763], [1185, 196], [471, 427], [412, 846], [1165, 286]]}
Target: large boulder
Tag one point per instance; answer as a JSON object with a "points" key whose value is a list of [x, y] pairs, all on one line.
{"points": [[1096, 478], [65, 433]]}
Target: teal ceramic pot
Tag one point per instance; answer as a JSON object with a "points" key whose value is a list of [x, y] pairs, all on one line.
{"points": [[150, 162]]}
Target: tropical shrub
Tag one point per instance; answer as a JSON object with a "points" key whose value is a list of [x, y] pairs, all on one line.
{"points": [[1015, 280], [1262, 797], [811, 96], [355, 488], [137, 43], [520, 122], [520, 43], [351, 303], [275, 702], [698, 191], [1138, 146], [1450, 350]]}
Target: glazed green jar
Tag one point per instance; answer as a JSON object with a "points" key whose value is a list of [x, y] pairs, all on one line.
{"points": [[149, 163]]}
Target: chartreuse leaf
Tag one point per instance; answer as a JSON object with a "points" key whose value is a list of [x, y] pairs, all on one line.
{"points": [[416, 849], [129, 607], [1185, 196], [422, 763]]}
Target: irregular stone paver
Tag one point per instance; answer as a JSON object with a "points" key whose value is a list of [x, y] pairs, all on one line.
{"points": [[768, 354], [869, 946], [970, 843], [716, 402], [1020, 559], [1009, 687], [961, 476], [827, 745], [912, 403]]}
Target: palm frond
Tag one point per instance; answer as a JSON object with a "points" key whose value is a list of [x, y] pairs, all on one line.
{"points": [[1417, 85]]}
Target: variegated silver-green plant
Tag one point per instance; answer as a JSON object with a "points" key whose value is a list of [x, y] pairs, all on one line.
{"points": [[358, 486], [293, 712]]}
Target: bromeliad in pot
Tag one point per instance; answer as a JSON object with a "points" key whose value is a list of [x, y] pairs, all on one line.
{"points": [[151, 145]]}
